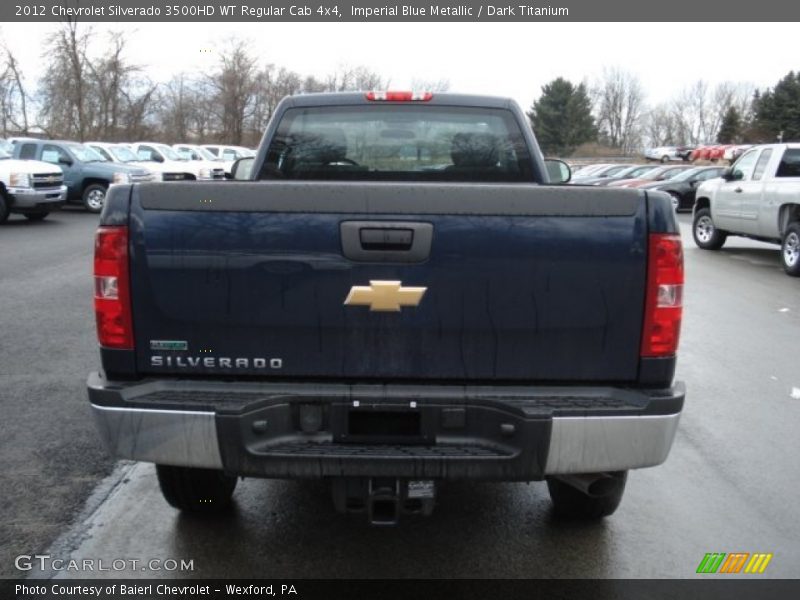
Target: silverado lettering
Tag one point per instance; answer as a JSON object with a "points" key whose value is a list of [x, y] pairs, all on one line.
{"points": [[182, 362], [442, 309]]}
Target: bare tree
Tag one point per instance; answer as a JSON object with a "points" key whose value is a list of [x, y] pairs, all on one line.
{"points": [[234, 88], [430, 85], [107, 75], [353, 79], [205, 123], [137, 101], [177, 107], [619, 105], [312, 85], [13, 95], [692, 113], [661, 127], [81, 97], [699, 109], [272, 85], [63, 88], [85, 93], [119, 98]]}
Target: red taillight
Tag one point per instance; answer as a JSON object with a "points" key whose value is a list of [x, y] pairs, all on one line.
{"points": [[664, 301], [400, 96], [112, 299]]}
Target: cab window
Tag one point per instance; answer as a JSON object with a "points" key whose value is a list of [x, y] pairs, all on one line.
{"points": [[102, 152], [145, 153], [790, 163], [53, 154], [745, 165], [762, 164], [399, 143], [28, 151]]}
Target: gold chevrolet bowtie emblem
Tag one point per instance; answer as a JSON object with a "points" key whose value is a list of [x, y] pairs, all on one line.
{"points": [[384, 296]]}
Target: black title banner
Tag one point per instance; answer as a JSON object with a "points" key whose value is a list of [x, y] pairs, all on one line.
{"points": [[408, 10], [552, 589]]}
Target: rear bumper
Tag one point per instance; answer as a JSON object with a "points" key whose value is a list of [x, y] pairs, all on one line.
{"points": [[462, 432]]}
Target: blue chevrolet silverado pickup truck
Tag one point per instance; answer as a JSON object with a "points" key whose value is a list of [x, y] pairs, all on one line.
{"points": [[397, 295]]}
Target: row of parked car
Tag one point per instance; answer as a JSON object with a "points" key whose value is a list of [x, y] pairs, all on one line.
{"points": [[679, 181], [712, 153], [38, 176]]}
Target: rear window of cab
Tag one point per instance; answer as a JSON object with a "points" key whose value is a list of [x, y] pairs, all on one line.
{"points": [[398, 143]]}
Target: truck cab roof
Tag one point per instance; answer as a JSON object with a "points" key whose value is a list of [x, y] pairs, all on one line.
{"points": [[440, 98]]}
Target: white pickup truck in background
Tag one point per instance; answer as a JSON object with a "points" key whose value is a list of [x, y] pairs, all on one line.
{"points": [[29, 187], [151, 152], [758, 197]]}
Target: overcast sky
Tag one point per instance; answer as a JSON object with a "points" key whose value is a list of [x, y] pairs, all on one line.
{"points": [[507, 59]]}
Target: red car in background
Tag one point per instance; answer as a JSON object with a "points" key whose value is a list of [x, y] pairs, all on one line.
{"points": [[700, 153], [712, 153], [658, 174], [717, 152]]}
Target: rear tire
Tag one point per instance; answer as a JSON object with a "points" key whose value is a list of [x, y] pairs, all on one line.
{"points": [[37, 216], [5, 209], [705, 233], [202, 491], [664, 159], [94, 197], [570, 503], [790, 250]]}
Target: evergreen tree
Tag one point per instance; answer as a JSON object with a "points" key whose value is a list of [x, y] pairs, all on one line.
{"points": [[778, 109], [562, 117], [730, 128]]}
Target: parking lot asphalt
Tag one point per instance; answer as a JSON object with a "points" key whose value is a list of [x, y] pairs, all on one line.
{"points": [[50, 453], [729, 485]]}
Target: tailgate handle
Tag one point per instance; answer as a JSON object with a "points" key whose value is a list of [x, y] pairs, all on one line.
{"points": [[386, 241]]}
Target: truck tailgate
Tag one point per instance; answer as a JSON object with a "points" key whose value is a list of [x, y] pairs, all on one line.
{"points": [[511, 282]]}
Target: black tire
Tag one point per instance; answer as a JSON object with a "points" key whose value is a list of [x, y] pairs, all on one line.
{"points": [[790, 250], [664, 159], [705, 234], [37, 216], [94, 197], [570, 503], [204, 491], [5, 209]]}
